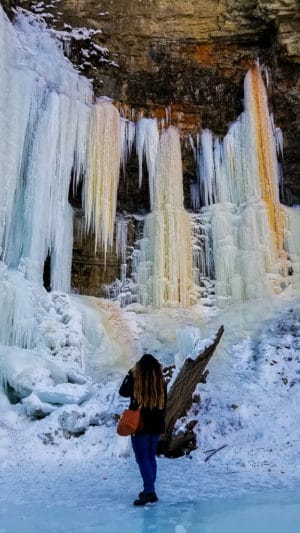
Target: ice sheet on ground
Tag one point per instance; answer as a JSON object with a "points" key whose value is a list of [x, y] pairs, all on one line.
{"points": [[65, 393]]}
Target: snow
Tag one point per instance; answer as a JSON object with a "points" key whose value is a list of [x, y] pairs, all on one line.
{"points": [[24, 370], [71, 453], [253, 378]]}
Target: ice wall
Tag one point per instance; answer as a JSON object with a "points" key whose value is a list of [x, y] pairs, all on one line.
{"points": [[238, 189], [52, 136], [45, 111], [44, 115]]}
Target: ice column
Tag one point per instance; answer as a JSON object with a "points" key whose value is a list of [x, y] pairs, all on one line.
{"points": [[128, 137], [121, 245], [256, 107], [147, 139], [164, 268], [172, 269], [102, 178]]}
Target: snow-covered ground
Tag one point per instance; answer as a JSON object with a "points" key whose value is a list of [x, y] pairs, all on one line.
{"points": [[70, 471]]}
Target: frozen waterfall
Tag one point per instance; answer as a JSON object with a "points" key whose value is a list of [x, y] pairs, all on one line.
{"points": [[238, 189], [44, 128], [164, 261], [54, 134]]}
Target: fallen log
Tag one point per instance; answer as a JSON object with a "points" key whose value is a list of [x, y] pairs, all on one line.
{"points": [[180, 399]]}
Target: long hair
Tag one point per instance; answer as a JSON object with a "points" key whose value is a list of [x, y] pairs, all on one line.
{"points": [[149, 388]]}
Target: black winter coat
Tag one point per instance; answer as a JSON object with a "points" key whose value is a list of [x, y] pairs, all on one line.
{"points": [[153, 419]]}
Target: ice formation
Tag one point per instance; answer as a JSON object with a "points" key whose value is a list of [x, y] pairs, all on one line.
{"points": [[164, 262], [128, 138], [147, 139], [240, 236], [54, 135], [103, 167], [238, 189], [44, 127], [121, 246]]}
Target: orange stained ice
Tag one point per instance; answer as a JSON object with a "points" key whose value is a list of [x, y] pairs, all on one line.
{"points": [[266, 154]]}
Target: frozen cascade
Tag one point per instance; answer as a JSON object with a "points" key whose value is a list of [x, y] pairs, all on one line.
{"points": [[164, 266], [237, 191], [54, 132], [187, 338], [44, 130], [103, 167], [44, 139]]}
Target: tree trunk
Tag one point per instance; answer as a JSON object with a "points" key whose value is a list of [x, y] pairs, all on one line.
{"points": [[180, 399]]}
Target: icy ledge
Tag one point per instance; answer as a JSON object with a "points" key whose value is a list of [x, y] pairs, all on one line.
{"points": [[37, 381]]}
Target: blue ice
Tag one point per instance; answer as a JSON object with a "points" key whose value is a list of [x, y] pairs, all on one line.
{"points": [[268, 512]]}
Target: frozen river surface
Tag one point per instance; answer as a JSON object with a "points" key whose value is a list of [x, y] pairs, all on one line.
{"points": [[270, 513], [83, 500]]}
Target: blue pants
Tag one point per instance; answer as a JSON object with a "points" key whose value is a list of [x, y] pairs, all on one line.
{"points": [[144, 446]]}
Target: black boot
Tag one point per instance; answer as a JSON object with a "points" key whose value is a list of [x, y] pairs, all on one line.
{"points": [[146, 497]]}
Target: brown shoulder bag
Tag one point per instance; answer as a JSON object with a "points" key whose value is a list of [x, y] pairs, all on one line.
{"points": [[130, 422]]}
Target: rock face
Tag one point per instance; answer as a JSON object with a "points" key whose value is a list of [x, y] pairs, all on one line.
{"points": [[185, 61]]}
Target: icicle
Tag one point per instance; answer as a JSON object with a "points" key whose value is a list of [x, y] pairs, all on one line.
{"points": [[14, 115], [147, 137], [278, 136], [164, 261], [127, 136], [193, 147], [168, 113], [267, 77], [121, 239], [206, 169], [195, 199], [102, 178], [223, 189], [202, 261]]}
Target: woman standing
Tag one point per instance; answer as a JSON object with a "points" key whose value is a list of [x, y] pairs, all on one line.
{"points": [[145, 386]]}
